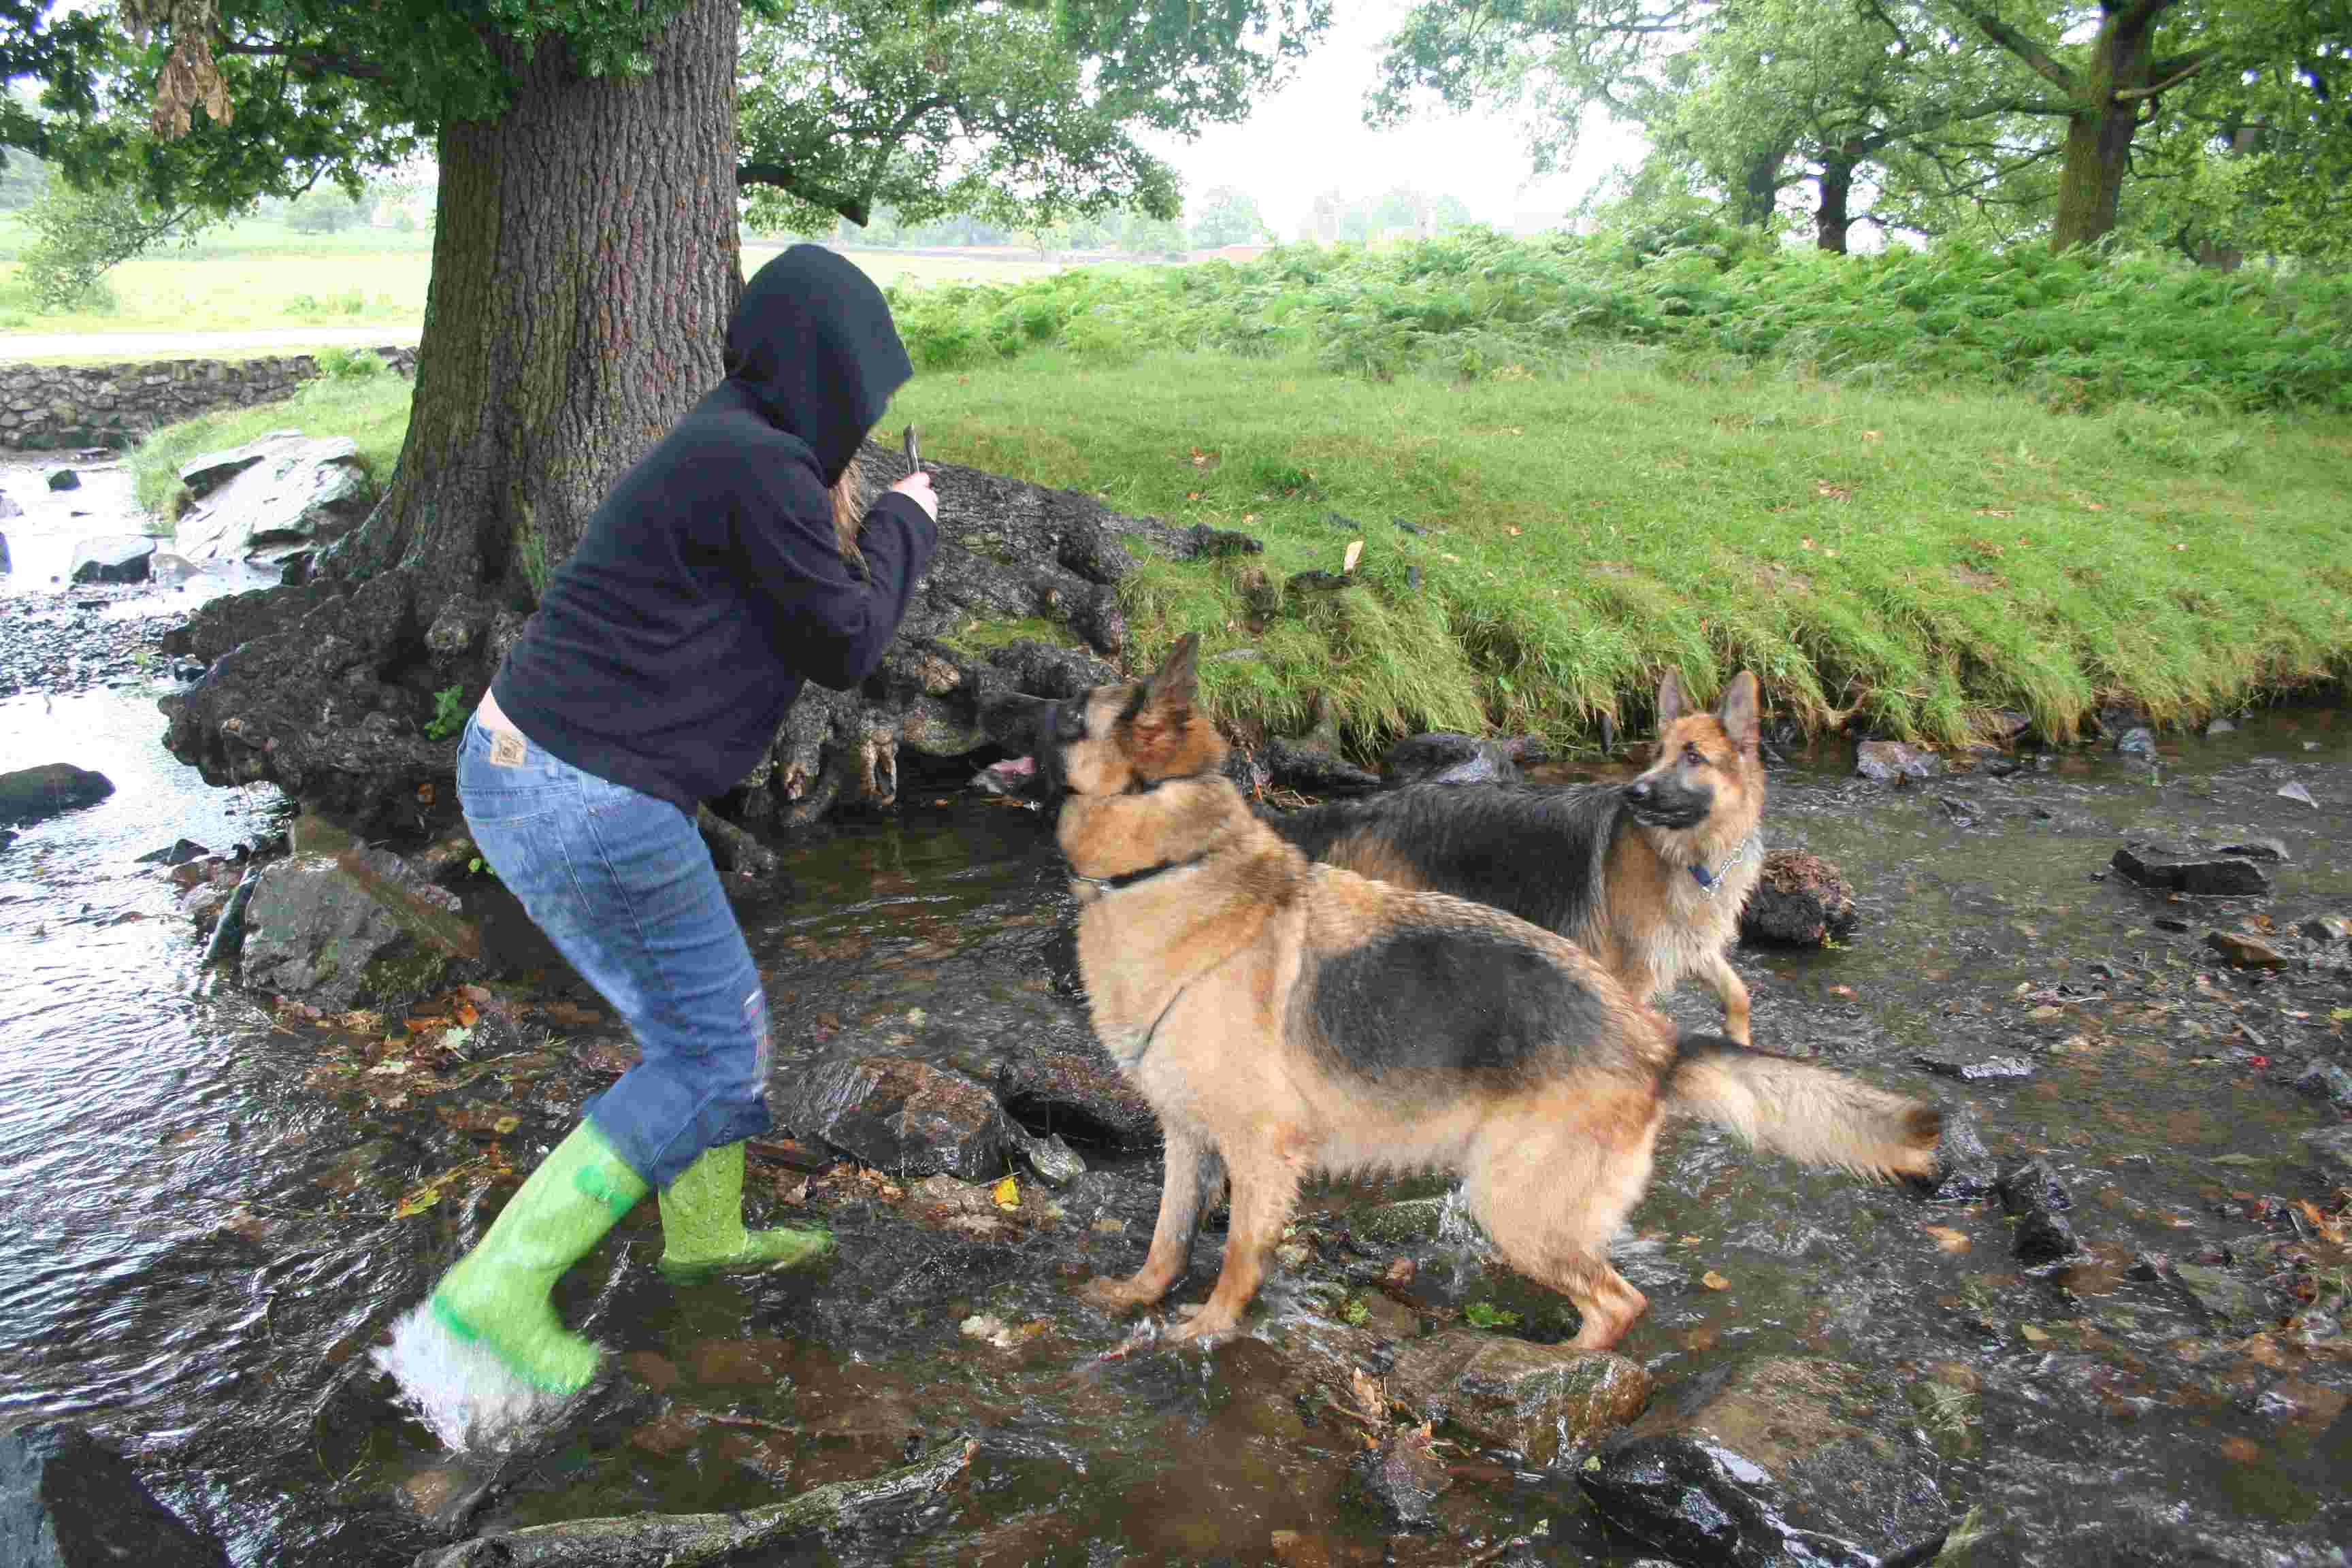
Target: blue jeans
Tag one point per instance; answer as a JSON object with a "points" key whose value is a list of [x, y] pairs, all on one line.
{"points": [[622, 884]]}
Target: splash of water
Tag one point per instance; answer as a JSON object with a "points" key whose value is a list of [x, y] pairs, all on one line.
{"points": [[470, 1398]]}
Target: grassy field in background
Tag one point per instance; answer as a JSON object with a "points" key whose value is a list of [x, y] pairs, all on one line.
{"points": [[1923, 559], [257, 275]]}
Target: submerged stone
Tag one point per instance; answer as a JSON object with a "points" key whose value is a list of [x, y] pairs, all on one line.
{"points": [[1892, 762], [1547, 1402], [1777, 1460], [2183, 869], [67, 1500], [113, 558], [358, 928], [1801, 901], [35, 794], [899, 1115]]}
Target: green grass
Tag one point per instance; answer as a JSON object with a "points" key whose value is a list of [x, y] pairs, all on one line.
{"points": [[254, 275], [1922, 559], [373, 410]]}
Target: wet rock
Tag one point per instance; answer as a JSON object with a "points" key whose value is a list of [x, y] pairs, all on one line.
{"points": [[2297, 791], [2032, 1185], [2137, 741], [899, 1115], [2273, 849], [2184, 869], [2331, 1150], [2329, 928], [179, 853], [289, 496], [1444, 758], [207, 473], [1777, 1460], [2329, 1081], [1312, 770], [2220, 727], [2244, 951], [1070, 1084], [1964, 1166], [112, 558], [1008, 777], [1403, 1475], [35, 794], [68, 1500], [1801, 901], [1545, 1402], [355, 929], [2230, 1302], [64, 479], [5, 566], [1892, 762], [1056, 1163], [2043, 1237], [1407, 1223], [1975, 1070], [2173, 923]]}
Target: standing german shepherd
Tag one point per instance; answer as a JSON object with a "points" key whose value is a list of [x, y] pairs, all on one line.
{"points": [[1286, 1018], [1648, 878]]}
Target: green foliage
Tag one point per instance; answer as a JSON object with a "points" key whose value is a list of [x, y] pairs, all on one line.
{"points": [[351, 365], [1022, 113], [1486, 1315], [1354, 1311], [79, 235], [2079, 330], [448, 713], [1226, 215]]}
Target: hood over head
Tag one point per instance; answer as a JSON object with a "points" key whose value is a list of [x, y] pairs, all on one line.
{"points": [[812, 338]]}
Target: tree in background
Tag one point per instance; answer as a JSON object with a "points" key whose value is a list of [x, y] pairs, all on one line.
{"points": [[584, 256], [1227, 215], [2032, 107]]}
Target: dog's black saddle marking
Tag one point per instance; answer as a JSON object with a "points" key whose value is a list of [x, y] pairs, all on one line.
{"points": [[1450, 1002]]}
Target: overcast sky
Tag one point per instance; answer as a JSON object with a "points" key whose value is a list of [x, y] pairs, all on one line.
{"points": [[1311, 138]]}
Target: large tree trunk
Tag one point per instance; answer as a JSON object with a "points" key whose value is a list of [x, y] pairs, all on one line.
{"points": [[1830, 221], [2099, 134], [583, 267], [1760, 190]]}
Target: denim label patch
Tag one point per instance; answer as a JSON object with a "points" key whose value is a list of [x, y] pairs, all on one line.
{"points": [[507, 750]]}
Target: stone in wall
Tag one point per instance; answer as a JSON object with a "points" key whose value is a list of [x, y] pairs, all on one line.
{"points": [[47, 406]]}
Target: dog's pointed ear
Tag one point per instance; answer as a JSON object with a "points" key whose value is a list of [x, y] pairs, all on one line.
{"points": [[1670, 701], [1168, 695], [1739, 715]]}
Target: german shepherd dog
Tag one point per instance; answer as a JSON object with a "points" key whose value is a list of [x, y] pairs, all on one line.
{"points": [[1286, 1018], [1649, 879]]}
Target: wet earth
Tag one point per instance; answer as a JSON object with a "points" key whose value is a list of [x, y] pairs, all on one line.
{"points": [[219, 1203]]}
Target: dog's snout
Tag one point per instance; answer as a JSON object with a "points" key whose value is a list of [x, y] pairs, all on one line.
{"points": [[1639, 792]]}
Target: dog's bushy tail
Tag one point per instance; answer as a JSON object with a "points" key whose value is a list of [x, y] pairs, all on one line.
{"points": [[1804, 1110]]}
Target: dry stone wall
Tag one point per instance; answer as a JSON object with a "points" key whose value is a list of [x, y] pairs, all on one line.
{"points": [[47, 406]]}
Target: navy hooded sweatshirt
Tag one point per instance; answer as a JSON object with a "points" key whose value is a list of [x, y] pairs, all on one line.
{"points": [[667, 650]]}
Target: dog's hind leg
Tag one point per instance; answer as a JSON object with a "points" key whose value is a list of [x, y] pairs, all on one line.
{"points": [[1266, 1186], [1734, 993], [1552, 1187], [1190, 1175]]}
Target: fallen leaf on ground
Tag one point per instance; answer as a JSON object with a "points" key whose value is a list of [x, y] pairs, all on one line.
{"points": [[2033, 1335], [1007, 1193], [1946, 1238], [1356, 552], [1714, 1281]]}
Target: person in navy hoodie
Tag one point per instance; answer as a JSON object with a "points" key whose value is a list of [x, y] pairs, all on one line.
{"points": [[731, 563]]}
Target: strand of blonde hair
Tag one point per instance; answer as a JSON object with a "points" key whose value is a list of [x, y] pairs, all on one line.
{"points": [[849, 513]]}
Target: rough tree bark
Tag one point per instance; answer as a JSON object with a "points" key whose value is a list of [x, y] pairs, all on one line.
{"points": [[1831, 220], [2099, 132], [584, 263]]}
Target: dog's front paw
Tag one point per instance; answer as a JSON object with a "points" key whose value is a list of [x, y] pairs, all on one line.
{"points": [[1199, 1322], [1116, 1295]]}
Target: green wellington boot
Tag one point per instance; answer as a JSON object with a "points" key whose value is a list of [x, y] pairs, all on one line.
{"points": [[702, 1224], [497, 1298]]}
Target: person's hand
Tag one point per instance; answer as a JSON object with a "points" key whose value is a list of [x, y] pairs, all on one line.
{"points": [[917, 487]]}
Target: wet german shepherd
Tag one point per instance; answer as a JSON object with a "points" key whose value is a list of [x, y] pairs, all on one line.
{"points": [[1649, 878], [1286, 1018]]}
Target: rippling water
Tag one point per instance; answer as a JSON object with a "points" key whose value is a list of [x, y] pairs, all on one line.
{"points": [[199, 1250]]}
